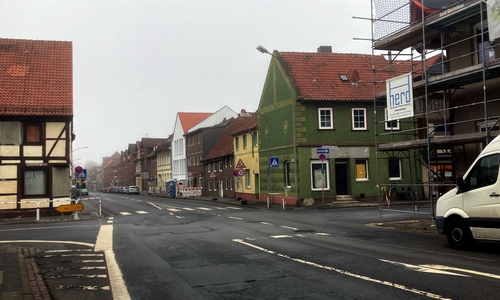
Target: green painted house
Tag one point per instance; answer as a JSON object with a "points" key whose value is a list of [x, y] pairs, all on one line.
{"points": [[317, 126]]}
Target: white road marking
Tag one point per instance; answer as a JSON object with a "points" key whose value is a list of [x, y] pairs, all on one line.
{"points": [[347, 273], [204, 208], [124, 213], [221, 208], [236, 218], [321, 233], [280, 236], [441, 269], [141, 212], [292, 228], [62, 251], [173, 209], [232, 207], [265, 223], [155, 205], [105, 243], [188, 208], [48, 241]]}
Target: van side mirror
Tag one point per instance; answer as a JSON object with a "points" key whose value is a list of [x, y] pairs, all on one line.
{"points": [[460, 183]]}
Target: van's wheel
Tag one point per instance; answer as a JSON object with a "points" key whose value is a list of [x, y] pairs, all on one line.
{"points": [[458, 234]]}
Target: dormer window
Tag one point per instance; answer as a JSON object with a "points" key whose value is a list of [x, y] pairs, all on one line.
{"points": [[344, 78]]}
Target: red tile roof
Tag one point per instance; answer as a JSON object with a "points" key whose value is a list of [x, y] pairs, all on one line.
{"points": [[317, 75], [224, 145], [190, 119], [36, 78]]}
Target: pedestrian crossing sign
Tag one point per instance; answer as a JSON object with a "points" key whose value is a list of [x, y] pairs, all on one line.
{"points": [[274, 162]]}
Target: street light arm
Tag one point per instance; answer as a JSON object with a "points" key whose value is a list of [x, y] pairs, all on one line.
{"points": [[80, 148]]}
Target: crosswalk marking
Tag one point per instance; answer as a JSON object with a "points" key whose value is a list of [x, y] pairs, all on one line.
{"points": [[125, 213], [187, 208], [232, 207], [141, 212], [204, 208], [173, 209]]}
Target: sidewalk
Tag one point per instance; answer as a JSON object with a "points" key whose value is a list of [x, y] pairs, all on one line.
{"points": [[20, 277]]}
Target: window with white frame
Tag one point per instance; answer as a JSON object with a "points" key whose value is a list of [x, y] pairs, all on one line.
{"points": [[209, 166], [255, 139], [237, 143], [214, 167], [216, 184], [248, 179], [361, 169], [220, 166], [358, 118], [245, 141], [231, 182], [325, 118], [209, 184], [390, 125], [394, 165], [319, 175], [227, 183]]}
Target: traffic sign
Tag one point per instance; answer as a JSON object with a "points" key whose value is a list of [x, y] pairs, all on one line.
{"points": [[78, 170], [241, 172], [322, 157], [70, 208], [322, 151], [240, 165], [274, 162]]}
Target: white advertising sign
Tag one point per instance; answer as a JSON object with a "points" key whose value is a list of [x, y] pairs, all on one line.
{"points": [[493, 19], [399, 97]]}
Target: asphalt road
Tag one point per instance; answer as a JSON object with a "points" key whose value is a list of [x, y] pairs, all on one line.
{"points": [[187, 249]]}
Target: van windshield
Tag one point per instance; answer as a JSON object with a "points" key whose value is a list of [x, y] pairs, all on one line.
{"points": [[484, 172]]}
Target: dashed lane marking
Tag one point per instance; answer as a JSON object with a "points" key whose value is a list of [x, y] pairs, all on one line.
{"points": [[344, 272]]}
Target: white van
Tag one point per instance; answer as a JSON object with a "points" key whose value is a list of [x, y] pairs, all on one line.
{"points": [[471, 211]]}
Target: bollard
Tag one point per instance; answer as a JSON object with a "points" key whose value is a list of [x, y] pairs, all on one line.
{"points": [[37, 211], [283, 202]]}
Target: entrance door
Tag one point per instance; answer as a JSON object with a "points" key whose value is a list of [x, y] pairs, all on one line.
{"points": [[341, 177]]}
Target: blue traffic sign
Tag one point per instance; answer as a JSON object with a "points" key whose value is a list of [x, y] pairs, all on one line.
{"points": [[274, 162], [322, 151]]}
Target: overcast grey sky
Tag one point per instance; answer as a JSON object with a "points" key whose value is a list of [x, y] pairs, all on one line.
{"points": [[137, 63]]}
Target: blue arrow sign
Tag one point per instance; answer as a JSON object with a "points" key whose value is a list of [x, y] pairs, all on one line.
{"points": [[322, 151]]}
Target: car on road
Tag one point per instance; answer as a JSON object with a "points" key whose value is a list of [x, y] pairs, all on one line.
{"points": [[133, 190], [84, 192]]}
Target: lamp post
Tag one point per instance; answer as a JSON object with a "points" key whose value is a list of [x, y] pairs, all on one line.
{"points": [[268, 163], [263, 49]]}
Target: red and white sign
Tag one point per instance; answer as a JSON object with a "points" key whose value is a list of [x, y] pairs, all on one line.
{"points": [[79, 170], [240, 165], [212, 175], [241, 172]]}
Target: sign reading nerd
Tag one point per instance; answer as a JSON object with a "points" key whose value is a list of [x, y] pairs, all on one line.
{"points": [[399, 97]]}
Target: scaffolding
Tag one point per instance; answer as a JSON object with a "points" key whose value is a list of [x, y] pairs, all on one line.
{"points": [[445, 46]]}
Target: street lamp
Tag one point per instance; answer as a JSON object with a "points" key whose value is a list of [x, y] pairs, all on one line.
{"points": [[263, 49], [268, 163]]}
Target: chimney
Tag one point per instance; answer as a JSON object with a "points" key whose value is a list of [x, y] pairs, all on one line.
{"points": [[325, 49]]}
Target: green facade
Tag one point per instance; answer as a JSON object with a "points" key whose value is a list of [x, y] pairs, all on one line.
{"points": [[346, 145]]}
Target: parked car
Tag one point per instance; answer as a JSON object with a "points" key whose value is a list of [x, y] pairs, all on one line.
{"points": [[133, 190], [125, 190]]}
